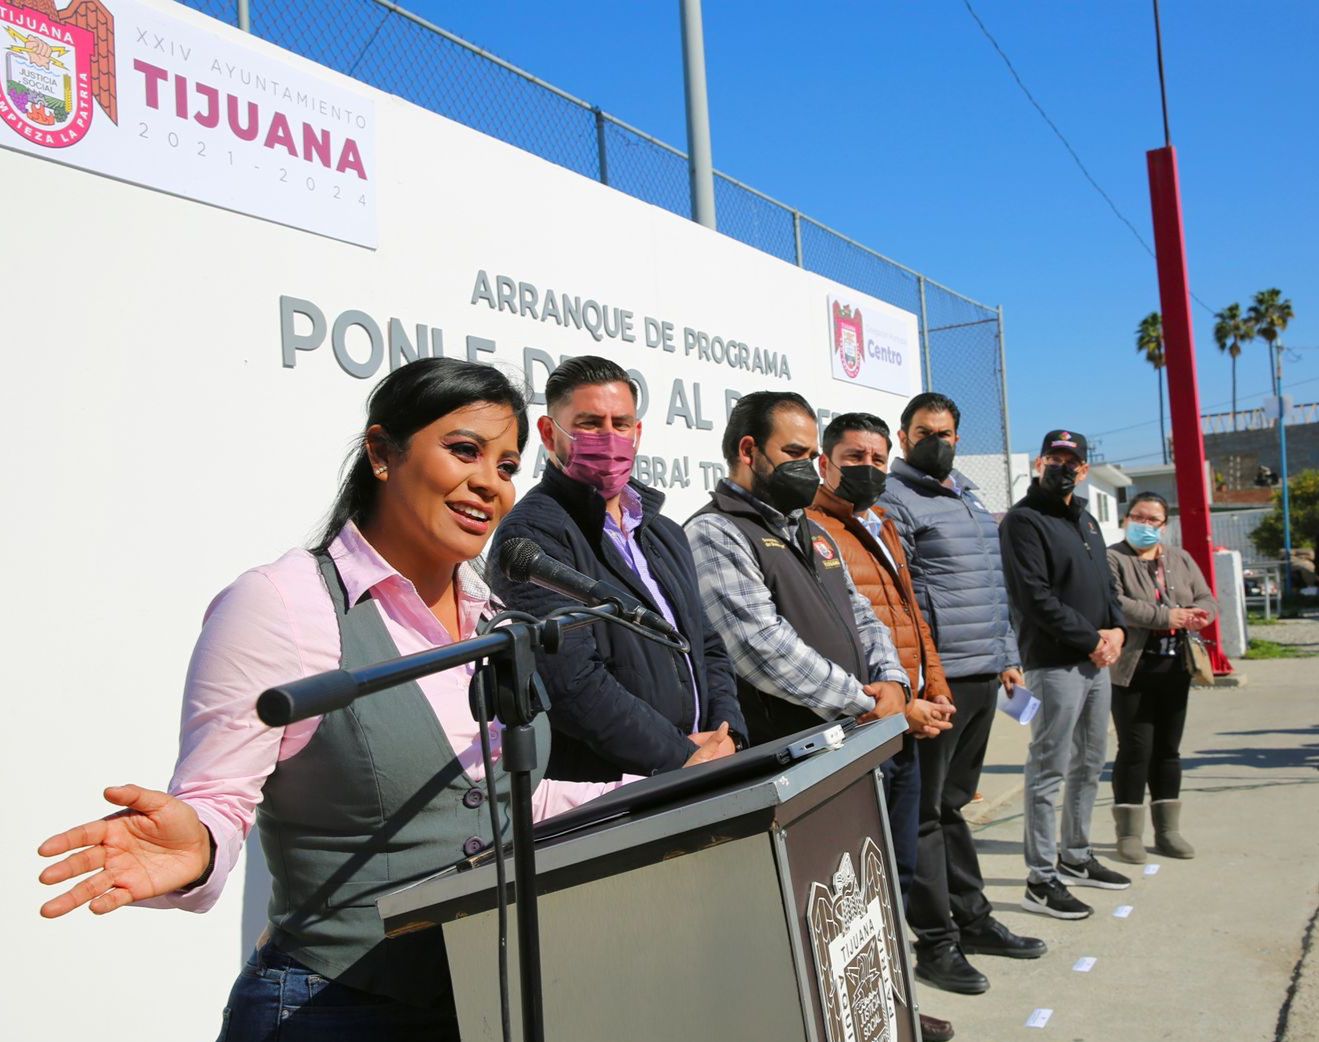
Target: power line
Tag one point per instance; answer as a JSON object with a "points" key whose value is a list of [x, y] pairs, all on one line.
{"points": [[1120, 430], [1211, 405], [1058, 133], [1067, 144], [1261, 394], [1132, 459], [1214, 405]]}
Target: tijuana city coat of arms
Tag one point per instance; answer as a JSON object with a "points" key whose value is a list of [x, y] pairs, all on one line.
{"points": [[849, 340], [856, 943], [59, 66]]}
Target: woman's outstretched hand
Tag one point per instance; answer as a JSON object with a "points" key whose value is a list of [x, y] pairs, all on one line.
{"points": [[154, 846]]}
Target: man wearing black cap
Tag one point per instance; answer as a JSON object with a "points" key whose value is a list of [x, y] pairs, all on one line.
{"points": [[1069, 629]]}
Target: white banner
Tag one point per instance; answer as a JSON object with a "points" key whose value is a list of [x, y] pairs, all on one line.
{"points": [[122, 89], [185, 381], [874, 344]]}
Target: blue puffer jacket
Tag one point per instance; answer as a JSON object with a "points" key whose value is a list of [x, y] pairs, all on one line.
{"points": [[951, 540]]}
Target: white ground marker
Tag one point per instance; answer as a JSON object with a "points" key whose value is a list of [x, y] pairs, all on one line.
{"points": [[1039, 1018]]}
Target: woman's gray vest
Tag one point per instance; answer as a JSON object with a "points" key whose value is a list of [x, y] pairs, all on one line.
{"points": [[376, 799]]}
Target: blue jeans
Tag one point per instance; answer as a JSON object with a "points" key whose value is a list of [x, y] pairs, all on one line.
{"points": [[902, 795], [277, 999]]}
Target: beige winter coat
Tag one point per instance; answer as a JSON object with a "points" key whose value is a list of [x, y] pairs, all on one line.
{"points": [[1136, 593]]}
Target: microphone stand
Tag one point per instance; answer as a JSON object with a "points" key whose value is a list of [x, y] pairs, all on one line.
{"points": [[518, 697]]}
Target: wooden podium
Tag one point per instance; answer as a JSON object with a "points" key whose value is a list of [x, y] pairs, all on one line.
{"points": [[723, 905]]}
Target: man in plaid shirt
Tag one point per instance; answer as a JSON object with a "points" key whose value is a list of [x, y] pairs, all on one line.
{"points": [[806, 646]]}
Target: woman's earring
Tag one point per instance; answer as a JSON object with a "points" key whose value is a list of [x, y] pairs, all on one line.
{"points": [[380, 470]]}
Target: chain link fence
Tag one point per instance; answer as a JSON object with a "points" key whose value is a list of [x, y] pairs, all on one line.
{"points": [[388, 47]]}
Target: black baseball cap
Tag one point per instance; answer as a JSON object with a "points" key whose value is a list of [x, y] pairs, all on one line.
{"points": [[1064, 441]]}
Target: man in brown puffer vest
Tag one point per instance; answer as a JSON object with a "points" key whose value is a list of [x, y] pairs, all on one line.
{"points": [[853, 468], [853, 465]]}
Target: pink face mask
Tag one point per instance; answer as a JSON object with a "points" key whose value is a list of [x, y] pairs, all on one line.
{"points": [[600, 459]]}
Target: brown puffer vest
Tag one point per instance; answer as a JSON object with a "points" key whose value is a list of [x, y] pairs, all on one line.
{"points": [[890, 593]]}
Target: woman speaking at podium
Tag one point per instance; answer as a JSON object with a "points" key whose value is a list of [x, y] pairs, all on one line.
{"points": [[362, 800]]}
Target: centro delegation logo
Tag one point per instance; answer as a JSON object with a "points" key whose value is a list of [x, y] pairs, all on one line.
{"points": [[849, 341], [56, 64]]}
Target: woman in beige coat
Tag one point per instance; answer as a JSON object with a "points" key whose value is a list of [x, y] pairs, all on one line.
{"points": [[1164, 596]]}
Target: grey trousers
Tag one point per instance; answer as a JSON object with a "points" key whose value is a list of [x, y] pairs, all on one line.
{"points": [[1069, 738]]}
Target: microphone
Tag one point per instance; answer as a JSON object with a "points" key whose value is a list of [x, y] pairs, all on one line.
{"points": [[522, 561]]}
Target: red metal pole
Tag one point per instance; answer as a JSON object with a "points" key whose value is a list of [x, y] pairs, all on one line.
{"points": [[1183, 389]]}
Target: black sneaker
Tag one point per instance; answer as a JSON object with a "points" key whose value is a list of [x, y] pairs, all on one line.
{"points": [[1092, 873], [1052, 898]]}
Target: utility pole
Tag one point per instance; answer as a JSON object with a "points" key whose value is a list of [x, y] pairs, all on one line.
{"points": [[1286, 492], [1179, 348], [700, 162]]}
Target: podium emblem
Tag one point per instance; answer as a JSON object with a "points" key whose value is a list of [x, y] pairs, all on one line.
{"points": [[855, 940], [58, 66], [848, 338]]}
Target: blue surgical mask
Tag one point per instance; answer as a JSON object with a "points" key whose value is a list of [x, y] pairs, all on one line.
{"points": [[1142, 537]]}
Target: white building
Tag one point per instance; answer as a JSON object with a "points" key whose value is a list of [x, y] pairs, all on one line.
{"points": [[1162, 478], [1105, 489]]}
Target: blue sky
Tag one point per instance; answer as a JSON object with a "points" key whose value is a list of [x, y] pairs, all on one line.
{"points": [[898, 124]]}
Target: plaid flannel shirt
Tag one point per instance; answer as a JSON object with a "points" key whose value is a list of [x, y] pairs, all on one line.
{"points": [[766, 651]]}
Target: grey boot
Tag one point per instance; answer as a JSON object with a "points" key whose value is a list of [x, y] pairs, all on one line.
{"points": [[1167, 820], [1130, 821]]}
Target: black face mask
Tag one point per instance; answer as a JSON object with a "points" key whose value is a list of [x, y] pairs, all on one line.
{"points": [[788, 487], [934, 456], [860, 485], [1058, 479]]}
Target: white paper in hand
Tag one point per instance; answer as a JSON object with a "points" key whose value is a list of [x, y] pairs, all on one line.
{"points": [[1021, 705]]}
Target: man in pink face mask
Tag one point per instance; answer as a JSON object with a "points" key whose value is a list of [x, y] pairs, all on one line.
{"points": [[601, 444], [619, 704]]}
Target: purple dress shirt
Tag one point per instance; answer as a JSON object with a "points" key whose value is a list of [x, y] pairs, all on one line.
{"points": [[624, 540]]}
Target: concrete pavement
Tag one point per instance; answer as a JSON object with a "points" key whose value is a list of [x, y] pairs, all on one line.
{"points": [[1212, 947]]}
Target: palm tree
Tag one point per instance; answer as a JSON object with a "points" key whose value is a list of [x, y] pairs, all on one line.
{"points": [[1268, 317], [1149, 341], [1231, 331]]}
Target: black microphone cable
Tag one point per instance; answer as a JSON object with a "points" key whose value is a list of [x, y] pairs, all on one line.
{"points": [[605, 615], [479, 679], [496, 829]]}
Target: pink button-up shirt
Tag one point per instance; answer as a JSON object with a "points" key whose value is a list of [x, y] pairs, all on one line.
{"points": [[276, 623]]}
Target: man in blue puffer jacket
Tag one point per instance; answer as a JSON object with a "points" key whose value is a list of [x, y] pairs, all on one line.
{"points": [[951, 540]]}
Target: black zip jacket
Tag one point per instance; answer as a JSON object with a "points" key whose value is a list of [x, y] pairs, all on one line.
{"points": [[618, 702], [1056, 567]]}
